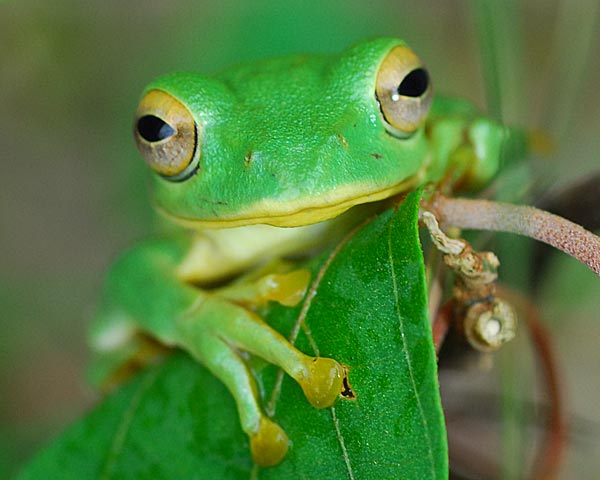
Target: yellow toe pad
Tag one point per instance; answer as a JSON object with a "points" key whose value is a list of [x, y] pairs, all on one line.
{"points": [[323, 381], [269, 445]]}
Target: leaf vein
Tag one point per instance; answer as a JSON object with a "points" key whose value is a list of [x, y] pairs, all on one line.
{"points": [[310, 295], [342, 443], [406, 354]]}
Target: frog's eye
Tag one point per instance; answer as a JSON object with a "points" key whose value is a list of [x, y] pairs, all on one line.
{"points": [[167, 136], [403, 91]]}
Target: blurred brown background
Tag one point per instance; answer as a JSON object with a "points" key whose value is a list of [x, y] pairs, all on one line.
{"points": [[73, 190]]}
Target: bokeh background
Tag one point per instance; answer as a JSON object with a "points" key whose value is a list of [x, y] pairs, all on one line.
{"points": [[73, 191]]}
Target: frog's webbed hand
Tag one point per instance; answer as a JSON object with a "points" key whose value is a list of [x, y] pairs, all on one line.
{"points": [[214, 330]]}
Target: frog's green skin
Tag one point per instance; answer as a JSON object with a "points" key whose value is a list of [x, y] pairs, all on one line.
{"points": [[291, 151]]}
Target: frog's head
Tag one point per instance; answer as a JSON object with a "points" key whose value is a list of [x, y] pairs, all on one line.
{"points": [[287, 142]]}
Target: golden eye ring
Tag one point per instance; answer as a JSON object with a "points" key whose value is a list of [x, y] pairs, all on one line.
{"points": [[167, 136], [404, 92]]}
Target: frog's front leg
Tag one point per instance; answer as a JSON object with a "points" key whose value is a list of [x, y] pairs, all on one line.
{"points": [[144, 294], [215, 329]]}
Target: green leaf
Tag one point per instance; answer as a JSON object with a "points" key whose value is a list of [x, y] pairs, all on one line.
{"points": [[369, 312]]}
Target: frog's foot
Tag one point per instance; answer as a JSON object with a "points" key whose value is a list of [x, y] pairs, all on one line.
{"points": [[217, 330], [286, 288], [268, 441], [321, 379]]}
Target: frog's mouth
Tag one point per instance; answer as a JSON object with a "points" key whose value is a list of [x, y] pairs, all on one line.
{"points": [[299, 212]]}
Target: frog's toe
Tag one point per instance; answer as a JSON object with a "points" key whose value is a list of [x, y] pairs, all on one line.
{"points": [[286, 288], [269, 444], [322, 381]]}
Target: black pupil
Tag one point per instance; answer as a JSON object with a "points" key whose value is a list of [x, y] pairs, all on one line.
{"points": [[154, 129], [414, 84]]}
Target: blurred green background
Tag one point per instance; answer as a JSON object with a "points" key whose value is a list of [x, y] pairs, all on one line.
{"points": [[73, 191]]}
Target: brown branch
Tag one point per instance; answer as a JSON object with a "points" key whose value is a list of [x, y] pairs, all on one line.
{"points": [[528, 221]]}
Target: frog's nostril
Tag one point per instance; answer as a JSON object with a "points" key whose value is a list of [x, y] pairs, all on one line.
{"points": [[154, 129], [414, 84]]}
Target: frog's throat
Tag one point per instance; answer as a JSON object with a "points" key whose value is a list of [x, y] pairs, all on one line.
{"points": [[305, 211]]}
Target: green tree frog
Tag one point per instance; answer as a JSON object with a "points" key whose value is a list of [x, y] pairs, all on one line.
{"points": [[261, 162]]}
